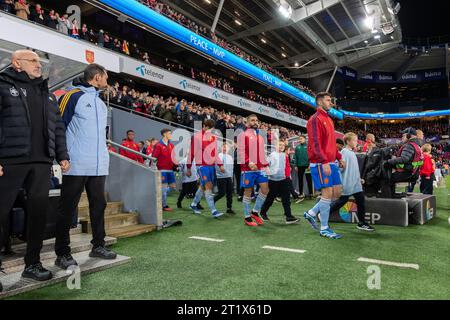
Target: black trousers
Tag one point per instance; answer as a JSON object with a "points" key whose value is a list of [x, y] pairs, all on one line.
{"points": [[237, 178], [400, 176], [187, 188], [225, 186], [301, 173], [426, 185], [277, 188], [360, 203], [71, 190], [35, 179]]}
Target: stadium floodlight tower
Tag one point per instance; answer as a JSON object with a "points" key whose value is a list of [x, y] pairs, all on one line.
{"points": [[285, 9]]}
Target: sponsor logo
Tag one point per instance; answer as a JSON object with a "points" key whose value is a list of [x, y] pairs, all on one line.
{"points": [[13, 91], [24, 91], [348, 214], [216, 94], [409, 76], [382, 77], [89, 56], [88, 105], [433, 74], [242, 103], [144, 71], [429, 211], [188, 85], [350, 74]]}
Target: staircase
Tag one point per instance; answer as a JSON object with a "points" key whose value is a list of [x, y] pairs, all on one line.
{"points": [[118, 224]]}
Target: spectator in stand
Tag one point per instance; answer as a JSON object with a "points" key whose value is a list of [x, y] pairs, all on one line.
{"points": [[163, 153], [7, 6], [52, 20], [37, 15], [84, 34], [74, 29], [427, 171], [22, 9], [101, 38], [63, 23], [130, 144]]}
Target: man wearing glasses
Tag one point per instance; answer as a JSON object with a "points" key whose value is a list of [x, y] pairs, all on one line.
{"points": [[32, 135]]}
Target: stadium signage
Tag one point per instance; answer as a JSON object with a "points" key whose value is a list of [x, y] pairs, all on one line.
{"points": [[389, 77], [158, 75], [145, 15]]}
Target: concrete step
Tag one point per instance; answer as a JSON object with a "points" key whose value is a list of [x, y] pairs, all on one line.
{"points": [[111, 208], [76, 230], [84, 199], [130, 231], [112, 221], [14, 284], [79, 242]]}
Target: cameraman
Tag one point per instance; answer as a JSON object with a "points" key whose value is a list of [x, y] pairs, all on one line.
{"points": [[407, 165]]}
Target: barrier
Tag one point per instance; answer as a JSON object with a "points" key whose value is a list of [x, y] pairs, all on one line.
{"points": [[422, 208]]}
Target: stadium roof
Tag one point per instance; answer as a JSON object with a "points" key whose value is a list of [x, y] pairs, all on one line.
{"points": [[319, 34]]}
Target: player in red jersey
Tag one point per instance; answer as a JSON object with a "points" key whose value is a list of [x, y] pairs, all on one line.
{"points": [[252, 158], [204, 151]]}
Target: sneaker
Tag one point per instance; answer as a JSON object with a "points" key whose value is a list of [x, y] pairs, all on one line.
{"points": [[249, 222], [179, 205], [330, 234], [312, 220], [199, 207], [65, 261], [278, 199], [365, 227], [264, 216], [257, 218], [195, 209], [239, 199], [231, 211], [217, 214], [292, 220], [102, 253], [37, 272], [299, 200], [167, 209]]}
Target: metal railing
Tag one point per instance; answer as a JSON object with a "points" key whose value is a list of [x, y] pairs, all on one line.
{"points": [[152, 164]]}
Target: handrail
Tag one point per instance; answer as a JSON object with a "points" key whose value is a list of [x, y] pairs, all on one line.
{"points": [[131, 150]]}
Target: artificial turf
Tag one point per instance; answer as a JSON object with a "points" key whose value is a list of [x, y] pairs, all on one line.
{"points": [[168, 265]]}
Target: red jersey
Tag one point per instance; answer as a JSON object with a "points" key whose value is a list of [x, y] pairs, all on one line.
{"points": [[133, 146], [251, 148], [321, 140], [204, 150], [427, 168], [163, 154]]}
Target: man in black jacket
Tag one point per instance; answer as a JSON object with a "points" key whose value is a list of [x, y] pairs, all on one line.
{"points": [[407, 164], [32, 135]]}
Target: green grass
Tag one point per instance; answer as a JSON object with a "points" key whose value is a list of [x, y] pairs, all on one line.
{"points": [[168, 265]]}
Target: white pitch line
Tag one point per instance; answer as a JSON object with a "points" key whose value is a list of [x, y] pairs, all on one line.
{"points": [[207, 239], [390, 263], [284, 249]]}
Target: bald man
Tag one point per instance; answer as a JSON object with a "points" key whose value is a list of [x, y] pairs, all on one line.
{"points": [[32, 135]]}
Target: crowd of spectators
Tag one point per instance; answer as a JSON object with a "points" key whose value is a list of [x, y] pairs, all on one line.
{"points": [[393, 130], [61, 23], [203, 31], [181, 111]]}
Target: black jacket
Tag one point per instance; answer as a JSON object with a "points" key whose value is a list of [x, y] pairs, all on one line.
{"points": [[15, 120], [407, 155]]}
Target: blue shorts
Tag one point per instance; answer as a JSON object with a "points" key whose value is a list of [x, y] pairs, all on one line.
{"points": [[168, 177], [207, 174], [321, 180], [250, 179]]}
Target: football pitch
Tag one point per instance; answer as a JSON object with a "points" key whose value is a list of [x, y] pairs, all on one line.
{"points": [[170, 264]]}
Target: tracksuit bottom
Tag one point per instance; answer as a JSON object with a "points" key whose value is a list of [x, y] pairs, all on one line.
{"points": [[188, 188], [35, 179], [225, 186], [426, 185], [277, 188], [360, 203], [71, 190]]}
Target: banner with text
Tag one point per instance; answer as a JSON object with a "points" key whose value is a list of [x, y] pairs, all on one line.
{"points": [[180, 82]]}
